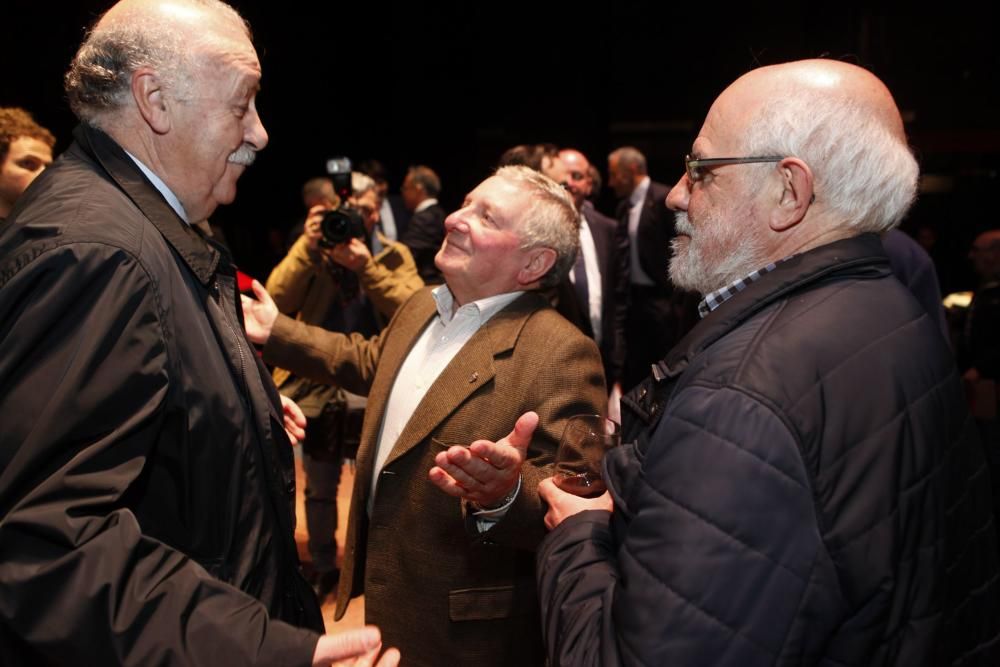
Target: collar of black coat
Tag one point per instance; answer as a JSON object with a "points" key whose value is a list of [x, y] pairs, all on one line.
{"points": [[859, 258], [201, 256]]}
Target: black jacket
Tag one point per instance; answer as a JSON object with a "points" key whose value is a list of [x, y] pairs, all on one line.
{"points": [[146, 483], [805, 487], [612, 261], [423, 236], [653, 234]]}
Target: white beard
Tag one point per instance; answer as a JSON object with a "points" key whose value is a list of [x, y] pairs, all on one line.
{"points": [[715, 254]]}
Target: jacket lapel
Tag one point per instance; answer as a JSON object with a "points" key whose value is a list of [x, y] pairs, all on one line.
{"points": [[471, 369]]}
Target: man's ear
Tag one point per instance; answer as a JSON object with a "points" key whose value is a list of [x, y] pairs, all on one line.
{"points": [[147, 90], [540, 260], [796, 194]]}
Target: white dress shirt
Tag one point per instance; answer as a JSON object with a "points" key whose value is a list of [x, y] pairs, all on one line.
{"points": [[425, 204], [638, 197], [431, 353], [158, 183], [589, 250], [388, 220]]}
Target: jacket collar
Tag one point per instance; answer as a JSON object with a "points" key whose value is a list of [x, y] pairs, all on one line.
{"points": [[471, 368], [201, 257], [859, 257]]}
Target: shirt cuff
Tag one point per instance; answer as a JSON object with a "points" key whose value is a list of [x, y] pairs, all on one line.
{"points": [[487, 518]]}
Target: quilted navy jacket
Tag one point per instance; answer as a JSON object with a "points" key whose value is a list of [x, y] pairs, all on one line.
{"points": [[804, 487]]}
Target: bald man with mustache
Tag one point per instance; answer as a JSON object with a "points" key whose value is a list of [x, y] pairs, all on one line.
{"points": [[146, 479]]}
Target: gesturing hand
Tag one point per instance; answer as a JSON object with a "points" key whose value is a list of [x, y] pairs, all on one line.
{"points": [[258, 315], [485, 472]]}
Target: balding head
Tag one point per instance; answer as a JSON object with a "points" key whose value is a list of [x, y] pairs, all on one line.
{"points": [[174, 82], [823, 156], [843, 123], [172, 37]]}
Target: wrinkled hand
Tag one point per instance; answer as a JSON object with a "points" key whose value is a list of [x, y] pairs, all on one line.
{"points": [[357, 648], [352, 255], [563, 505], [485, 472], [258, 315], [295, 420], [312, 231]]}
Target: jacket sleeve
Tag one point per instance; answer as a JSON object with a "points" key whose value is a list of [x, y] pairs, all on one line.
{"points": [[85, 377], [289, 282], [346, 360], [708, 555], [620, 282], [390, 278]]}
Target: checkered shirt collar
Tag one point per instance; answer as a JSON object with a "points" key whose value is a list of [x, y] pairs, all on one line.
{"points": [[715, 299]]}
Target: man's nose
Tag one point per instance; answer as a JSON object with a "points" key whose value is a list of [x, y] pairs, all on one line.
{"points": [[677, 198], [456, 222], [255, 134]]}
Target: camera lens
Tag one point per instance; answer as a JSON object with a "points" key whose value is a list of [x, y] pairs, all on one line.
{"points": [[341, 225]]}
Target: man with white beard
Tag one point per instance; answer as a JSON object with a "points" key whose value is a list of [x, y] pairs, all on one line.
{"points": [[801, 482]]}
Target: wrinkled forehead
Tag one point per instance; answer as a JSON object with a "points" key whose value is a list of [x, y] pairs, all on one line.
{"points": [[504, 196]]}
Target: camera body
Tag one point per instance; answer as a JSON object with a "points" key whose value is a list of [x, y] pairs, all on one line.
{"points": [[342, 223]]}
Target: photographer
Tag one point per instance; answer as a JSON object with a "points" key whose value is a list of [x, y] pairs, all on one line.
{"points": [[352, 285]]}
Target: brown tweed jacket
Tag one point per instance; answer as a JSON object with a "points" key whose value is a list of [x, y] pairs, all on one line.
{"points": [[440, 591]]}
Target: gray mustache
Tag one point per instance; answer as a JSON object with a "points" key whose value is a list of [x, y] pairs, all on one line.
{"points": [[681, 223], [244, 155]]}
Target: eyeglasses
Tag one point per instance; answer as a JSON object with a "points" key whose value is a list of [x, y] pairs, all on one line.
{"points": [[695, 167]]}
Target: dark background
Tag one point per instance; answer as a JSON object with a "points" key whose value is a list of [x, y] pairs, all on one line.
{"points": [[452, 85]]}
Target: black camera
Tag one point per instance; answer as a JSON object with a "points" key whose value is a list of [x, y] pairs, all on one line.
{"points": [[342, 223]]}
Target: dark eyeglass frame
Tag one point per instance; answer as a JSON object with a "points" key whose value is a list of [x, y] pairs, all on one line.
{"points": [[694, 166]]}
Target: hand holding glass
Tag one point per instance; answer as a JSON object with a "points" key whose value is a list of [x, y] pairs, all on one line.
{"points": [[581, 451]]}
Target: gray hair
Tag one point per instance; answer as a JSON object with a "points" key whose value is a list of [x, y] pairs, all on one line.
{"points": [[361, 183], [629, 156], [98, 83], [550, 222], [863, 174]]}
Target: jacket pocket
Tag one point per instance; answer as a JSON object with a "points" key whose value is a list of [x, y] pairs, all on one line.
{"points": [[491, 603]]}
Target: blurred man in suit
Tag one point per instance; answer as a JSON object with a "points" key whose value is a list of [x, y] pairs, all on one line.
{"points": [[425, 230], [652, 326], [594, 295]]}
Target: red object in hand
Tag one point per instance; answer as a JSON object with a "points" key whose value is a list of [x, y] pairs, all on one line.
{"points": [[243, 281]]}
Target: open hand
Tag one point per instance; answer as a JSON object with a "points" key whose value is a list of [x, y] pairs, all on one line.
{"points": [[485, 472]]}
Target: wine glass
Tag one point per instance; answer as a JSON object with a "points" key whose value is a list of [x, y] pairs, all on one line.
{"points": [[581, 449]]}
